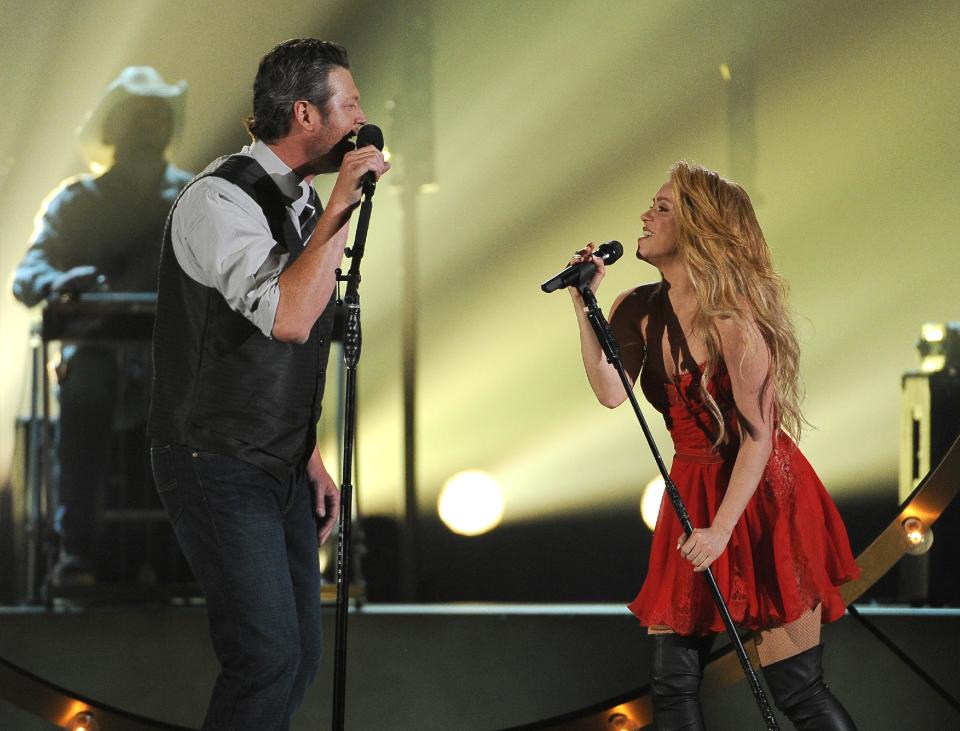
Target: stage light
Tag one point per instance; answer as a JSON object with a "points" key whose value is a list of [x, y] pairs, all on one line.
{"points": [[83, 721], [471, 503], [918, 536], [933, 332], [933, 363], [650, 501], [621, 722], [939, 346]]}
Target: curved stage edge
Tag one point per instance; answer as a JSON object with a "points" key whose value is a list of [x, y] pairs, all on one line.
{"points": [[468, 667], [441, 667]]}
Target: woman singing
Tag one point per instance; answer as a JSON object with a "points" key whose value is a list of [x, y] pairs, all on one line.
{"points": [[716, 354]]}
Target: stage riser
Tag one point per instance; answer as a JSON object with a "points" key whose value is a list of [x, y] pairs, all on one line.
{"points": [[466, 671]]}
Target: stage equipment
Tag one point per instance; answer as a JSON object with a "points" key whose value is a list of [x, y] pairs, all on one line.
{"points": [[114, 318], [369, 134], [414, 134], [622, 722], [94, 316], [471, 503], [610, 348], [83, 721], [929, 422], [919, 536], [578, 275]]}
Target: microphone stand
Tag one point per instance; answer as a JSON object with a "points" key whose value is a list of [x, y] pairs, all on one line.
{"points": [[351, 356], [612, 351]]}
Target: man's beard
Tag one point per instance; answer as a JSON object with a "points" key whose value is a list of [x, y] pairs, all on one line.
{"points": [[330, 161]]}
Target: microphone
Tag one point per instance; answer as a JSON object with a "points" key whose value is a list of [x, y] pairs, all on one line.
{"points": [[369, 134], [578, 274]]}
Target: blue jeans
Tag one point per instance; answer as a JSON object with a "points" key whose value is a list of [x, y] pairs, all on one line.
{"points": [[251, 541]]}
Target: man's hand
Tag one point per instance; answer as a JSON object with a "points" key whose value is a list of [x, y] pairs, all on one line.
{"points": [[356, 163], [326, 496], [77, 280]]}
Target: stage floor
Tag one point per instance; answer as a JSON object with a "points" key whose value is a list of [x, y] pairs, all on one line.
{"points": [[469, 666]]}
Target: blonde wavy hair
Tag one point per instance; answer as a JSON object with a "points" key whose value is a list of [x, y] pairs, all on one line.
{"points": [[729, 264]]}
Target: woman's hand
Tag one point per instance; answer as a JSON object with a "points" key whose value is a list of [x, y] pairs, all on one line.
{"points": [[586, 254], [703, 546]]}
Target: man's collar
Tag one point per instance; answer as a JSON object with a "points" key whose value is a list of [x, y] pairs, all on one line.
{"points": [[286, 180]]}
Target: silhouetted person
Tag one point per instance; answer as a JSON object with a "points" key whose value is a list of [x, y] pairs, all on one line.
{"points": [[98, 232]]}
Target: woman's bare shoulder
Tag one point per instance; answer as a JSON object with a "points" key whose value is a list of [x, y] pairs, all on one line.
{"points": [[637, 301]]}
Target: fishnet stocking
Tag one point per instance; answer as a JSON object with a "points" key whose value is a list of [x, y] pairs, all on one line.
{"points": [[778, 643], [788, 640]]}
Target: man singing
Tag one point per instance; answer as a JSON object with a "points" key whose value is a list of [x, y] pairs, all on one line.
{"points": [[244, 315]]}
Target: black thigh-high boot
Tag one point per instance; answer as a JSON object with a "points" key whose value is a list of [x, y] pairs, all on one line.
{"points": [[675, 671], [800, 692]]}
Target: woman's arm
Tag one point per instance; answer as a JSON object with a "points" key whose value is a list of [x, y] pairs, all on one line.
{"points": [[748, 363], [602, 376]]}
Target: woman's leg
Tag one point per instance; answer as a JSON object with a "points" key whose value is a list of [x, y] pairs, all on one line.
{"points": [[676, 667], [791, 659]]}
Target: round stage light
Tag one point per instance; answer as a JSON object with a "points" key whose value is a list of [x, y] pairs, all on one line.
{"points": [[83, 721], [622, 722], [939, 346], [650, 501], [919, 537], [471, 503]]}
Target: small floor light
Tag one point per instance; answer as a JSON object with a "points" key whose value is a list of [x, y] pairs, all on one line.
{"points": [[83, 721], [919, 537], [621, 722]]}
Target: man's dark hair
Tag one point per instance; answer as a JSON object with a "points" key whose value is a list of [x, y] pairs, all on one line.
{"points": [[294, 70]]}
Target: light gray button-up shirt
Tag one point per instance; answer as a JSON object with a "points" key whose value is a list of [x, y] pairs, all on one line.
{"points": [[221, 238]]}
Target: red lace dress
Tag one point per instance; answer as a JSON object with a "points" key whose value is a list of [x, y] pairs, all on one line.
{"points": [[788, 552]]}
